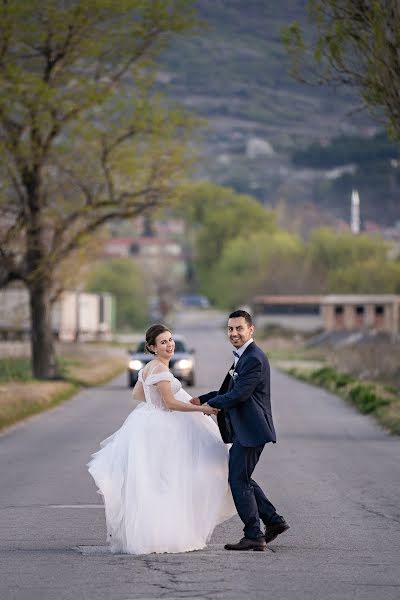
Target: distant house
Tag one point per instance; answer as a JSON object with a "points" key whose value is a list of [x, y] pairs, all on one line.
{"points": [[287, 305], [343, 312], [301, 313], [153, 254], [357, 312], [143, 248], [118, 247]]}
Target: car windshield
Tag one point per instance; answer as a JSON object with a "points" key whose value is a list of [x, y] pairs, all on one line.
{"points": [[179, 347]]}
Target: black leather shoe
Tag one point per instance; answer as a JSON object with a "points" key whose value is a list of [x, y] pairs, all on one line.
{"points": [[274, 529], [258, 545]]}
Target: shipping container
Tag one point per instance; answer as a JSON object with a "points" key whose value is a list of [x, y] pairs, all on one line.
{"points": [[75, 315]]}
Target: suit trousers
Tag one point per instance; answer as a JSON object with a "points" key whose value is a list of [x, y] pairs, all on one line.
{"points": [[250, 501]]}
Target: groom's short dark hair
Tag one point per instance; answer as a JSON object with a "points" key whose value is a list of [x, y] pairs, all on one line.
{"points": [[242, 313]]}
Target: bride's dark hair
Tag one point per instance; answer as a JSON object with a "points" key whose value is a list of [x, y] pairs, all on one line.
{"points": [[152, 333]]}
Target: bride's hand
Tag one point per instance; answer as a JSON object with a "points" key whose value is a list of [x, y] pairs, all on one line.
{"points": [[209, 410]]}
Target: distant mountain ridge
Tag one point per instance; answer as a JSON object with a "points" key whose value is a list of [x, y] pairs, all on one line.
{"points": [[236, 75]]}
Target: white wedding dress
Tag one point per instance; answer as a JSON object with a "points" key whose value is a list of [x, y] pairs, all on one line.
{"points": [[163, 476]]}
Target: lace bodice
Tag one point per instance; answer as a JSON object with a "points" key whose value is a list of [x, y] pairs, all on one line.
{"points": [[151, 393]]}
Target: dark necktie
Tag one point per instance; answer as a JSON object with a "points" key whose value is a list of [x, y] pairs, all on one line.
{"points": [[236, 354]]}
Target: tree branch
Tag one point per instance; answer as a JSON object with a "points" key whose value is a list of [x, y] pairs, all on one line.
{"points": [[126, 213], [10, 270]]}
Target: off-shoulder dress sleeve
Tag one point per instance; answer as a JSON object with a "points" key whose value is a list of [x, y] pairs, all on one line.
{"points": [[157, 377]]}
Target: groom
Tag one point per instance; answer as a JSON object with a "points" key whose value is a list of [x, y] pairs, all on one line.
{"points": [[245, 420]]}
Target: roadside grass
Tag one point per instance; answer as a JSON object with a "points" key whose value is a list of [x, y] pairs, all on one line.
{"points": [[364, 376], [80, 366], [20, 400], [285, 354], [373, 398], [15, 369]]}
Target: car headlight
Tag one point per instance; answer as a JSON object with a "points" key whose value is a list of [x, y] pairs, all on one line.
{"points": [[184, 364], [135, 365]]}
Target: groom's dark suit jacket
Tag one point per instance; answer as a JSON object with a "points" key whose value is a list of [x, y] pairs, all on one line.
{"points": [[245, 401]]}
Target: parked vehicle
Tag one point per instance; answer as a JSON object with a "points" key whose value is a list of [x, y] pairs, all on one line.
{"points": [[194, 301], [182, 364]]}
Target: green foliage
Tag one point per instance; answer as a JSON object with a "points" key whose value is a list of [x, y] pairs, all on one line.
{"points": [[219, 216], [366, 399], [231, 216], [277, 262], [344, 262], [240, 252], [357, 44], [369, 398], [20, 369], [123, 279], [85, 137], [371, 276], [329, 378], [330, 250], [15, 369], [271, 261]]}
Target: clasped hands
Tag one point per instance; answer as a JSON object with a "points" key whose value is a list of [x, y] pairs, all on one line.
{"points": [[207, 409]]}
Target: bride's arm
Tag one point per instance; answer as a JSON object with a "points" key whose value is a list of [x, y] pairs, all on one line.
{"points": [[138, 392], [164, 387]]}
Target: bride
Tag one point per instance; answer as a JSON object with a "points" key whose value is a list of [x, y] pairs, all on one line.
{"points": [[163, 475]]}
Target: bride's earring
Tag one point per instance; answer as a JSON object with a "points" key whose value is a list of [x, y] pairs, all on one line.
{"points": [[155, 352]]}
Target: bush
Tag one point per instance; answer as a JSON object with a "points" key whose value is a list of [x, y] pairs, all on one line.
{"points": [[366, 399], [382, 401], [331, 379], [15, 369], [123, 278]]}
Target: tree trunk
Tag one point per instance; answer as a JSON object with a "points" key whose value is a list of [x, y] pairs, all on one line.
{"points": [[39, 279], [44, 363]]}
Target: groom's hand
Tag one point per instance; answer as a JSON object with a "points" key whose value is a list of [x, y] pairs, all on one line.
{"points": [[209, 410], [195, 401]]}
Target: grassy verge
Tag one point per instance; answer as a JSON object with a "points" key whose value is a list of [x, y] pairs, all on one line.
{"points": [[22, 396], [377, 399]]}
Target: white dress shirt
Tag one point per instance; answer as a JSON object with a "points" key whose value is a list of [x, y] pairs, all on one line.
{"points": [[240, 350]]}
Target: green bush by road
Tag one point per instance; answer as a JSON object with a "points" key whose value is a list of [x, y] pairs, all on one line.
{"points": [[383, 402]]}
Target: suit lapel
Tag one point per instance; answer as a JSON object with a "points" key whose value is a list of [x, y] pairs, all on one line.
{"points": [[226, 383], [252, 345]]}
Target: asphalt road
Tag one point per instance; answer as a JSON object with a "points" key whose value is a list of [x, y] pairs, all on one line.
{"points": [[334, 475]]}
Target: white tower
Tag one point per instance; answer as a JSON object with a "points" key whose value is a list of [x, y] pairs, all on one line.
{"points": [[355, 212]]}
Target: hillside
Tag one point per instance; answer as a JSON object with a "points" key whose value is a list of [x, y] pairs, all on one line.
{"points": [[235, 74]]}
